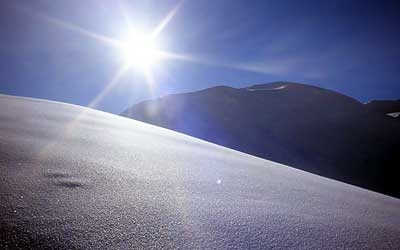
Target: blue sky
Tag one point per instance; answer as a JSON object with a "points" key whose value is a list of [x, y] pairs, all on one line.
{"points": [[348, 46]]}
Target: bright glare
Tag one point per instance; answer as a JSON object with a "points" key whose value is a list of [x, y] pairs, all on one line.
{"points": [[140, 50]]}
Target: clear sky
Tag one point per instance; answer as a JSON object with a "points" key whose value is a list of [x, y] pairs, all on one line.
{"points": [[58, 50]]}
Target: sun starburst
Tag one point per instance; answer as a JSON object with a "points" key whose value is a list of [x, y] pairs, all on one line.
{"points": [[139, 50]]}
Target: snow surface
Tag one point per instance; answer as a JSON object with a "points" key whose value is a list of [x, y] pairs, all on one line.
{"points": [[266, 89], [394, 114], [76, 178]]}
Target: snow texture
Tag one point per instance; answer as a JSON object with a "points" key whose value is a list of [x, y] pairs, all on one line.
{"points": [[76, 178]]}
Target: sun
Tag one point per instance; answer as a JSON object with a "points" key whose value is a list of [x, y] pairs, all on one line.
{"points": [[139, 50]]}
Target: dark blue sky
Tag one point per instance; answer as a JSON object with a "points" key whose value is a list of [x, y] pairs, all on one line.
{"points": [[348, 46]]}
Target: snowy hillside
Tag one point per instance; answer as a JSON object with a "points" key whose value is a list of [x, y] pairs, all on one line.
{"points": [[76, 178]]}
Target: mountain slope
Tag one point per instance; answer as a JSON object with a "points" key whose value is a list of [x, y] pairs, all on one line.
{"points": [[76, 178], [384, 106], [307, 127]]}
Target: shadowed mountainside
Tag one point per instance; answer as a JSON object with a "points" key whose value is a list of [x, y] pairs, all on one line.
{"points": [[384, 107], [307, 127]]}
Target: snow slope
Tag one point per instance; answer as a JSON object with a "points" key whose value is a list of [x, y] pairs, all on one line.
{"points": [[76, 178]]}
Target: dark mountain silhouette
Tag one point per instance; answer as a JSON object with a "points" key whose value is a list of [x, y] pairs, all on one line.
{"points": [[384, 107], [306, 127]]}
